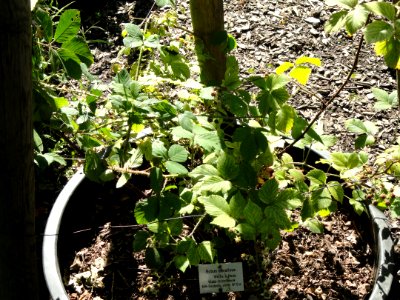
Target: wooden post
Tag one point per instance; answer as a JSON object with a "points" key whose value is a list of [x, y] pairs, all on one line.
{"points": [[18, 272], [210, 39]]}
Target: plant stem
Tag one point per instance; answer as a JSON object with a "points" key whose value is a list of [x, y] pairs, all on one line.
{"points": [[197, 225], [330, 100]]}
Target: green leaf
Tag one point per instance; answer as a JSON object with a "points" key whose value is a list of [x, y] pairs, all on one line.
{"points": [[176, 168], [277, 82], [271, 237], [349, 4], [269, 191], [68, 26], [283, 67], [252, 213], [135, 160], [285, 118], [215, 205], [237, 205], [210, 141], [45, 23], [277, 216], [37, 141], [356, 19], [390, 50], [336, 190], [79, 47], [384, 100], [162, 3], [224, 221], [156, 180], [159, 150], [383, 9], [321, 198], [247, 231], [316, 177], [227, 166], [314, 225], [135, 37], [336, 22], [308, 60], [205, 251], [359, 127], [301, 74], [153, 41], [204, 170], [140, 240], [180, 69], [178, 153], [123, 179], [181, 262], [214, 184], [378, 31], [146, 210]]}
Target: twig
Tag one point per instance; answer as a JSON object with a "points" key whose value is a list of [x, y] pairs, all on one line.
{"points": [[327, 103]]}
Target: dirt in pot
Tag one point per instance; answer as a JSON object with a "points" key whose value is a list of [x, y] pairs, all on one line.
{"points": [[335, 265]]}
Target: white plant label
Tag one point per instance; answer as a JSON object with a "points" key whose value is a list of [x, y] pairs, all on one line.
{"points": [[220, 278]]}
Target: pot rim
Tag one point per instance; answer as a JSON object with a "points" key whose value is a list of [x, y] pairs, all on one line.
{"points": [[384, 259]]}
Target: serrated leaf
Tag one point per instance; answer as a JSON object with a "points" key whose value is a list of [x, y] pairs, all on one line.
{"points": [[277, 216], [321, 198], [301, 74], [224, 221], [277, 82], [285, 118], [378, 31], [159, 150], [336, 22], [349, 4], [227, 166], [390, 50], [205, 251], [214, 184], [215, 205], [252, 213], [317, 177], [356, 19], [269, 191], [68, 26], [308, 60], [134, 38], [336, 190], [181, 262], [236, 205], [360, 127], [123, 179], [178, 153], [135, 160], [174, 167], [204, 170], [283, 67], [383, 9], [384, 100], [146, 210], [140, 240], [247, 231], [210, 141]]}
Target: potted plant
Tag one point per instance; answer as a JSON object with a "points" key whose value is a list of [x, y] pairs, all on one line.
{"points": [[218, 156]]}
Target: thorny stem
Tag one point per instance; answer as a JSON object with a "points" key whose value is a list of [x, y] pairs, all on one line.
{"points": [[197, 225], [330, 100], [146, 23]]}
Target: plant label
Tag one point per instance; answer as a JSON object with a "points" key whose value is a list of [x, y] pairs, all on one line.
{"points": [[219, 278]]}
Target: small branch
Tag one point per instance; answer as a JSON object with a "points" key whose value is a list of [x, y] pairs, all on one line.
{"points": [[130, 171], [333, 97], [197, 225]]}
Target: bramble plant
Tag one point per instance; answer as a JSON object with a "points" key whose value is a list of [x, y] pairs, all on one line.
{"points": [[216, 157]]}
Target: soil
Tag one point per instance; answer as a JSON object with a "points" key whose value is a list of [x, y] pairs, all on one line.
{"points": [[335, 265]]}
